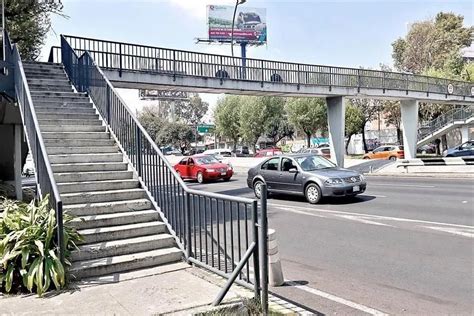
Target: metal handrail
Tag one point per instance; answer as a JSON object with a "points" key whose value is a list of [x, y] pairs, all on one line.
{"points": [[44, 173], [180, 62], [453, 115], [180, 205]]}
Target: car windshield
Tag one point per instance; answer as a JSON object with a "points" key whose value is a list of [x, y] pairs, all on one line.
{"points": [[206, 160], [311, 163]]}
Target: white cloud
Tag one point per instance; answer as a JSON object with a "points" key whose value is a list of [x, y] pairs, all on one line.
{"points": [[197, 8]]}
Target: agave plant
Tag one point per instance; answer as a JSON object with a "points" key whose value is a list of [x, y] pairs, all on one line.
{"points": [[28, 247]]}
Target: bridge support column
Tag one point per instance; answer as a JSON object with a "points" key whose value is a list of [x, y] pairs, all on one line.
{"points": [[17, 162], [336, 126], [464, 133], [409, 111]]}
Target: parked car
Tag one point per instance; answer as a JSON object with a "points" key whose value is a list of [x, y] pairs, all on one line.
{"points": [[220, 152], [268, 152], [392, 152], [310, 175], [242, 151], [465, 149], [426, 149], [322, 151], [203, 168]]}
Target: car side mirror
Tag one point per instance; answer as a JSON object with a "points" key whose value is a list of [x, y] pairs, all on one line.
{"points": [[293, 170]]}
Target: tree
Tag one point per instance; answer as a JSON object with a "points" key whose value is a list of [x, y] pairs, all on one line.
{"points": [[226, 118], [252, 120], [177, 134], [192, 111], [433, 44], [307, 115], [370, 110], [152, 119], [277, 126], [354, 122], [28, 22], [393, 116]]}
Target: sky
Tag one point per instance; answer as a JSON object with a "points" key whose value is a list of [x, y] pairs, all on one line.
{"points": [[346, 33]]}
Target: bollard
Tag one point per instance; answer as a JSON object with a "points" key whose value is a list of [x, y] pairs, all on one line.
{"points": [[275, 273]]}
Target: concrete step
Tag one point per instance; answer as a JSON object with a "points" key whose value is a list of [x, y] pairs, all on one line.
{"points": [[115, 219], [42, 65], [46, 81], [108, 207], [95, 235], [58, 94], [49, 88], [104, 185], [65, 110], [92, 176], [109, 265], [78, 135], [62, 104], [89, 167], [46, 98], [103, 196], [48, 70], [52, 142], [62, 116], [69, 122], [43, 75], [72, 128], [81, 150], [85, 158], [122, 247]]}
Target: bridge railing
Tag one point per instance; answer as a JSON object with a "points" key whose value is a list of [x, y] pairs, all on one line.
{"points": [[216, 231], [133, 57], [43, 171], [454, 115]]}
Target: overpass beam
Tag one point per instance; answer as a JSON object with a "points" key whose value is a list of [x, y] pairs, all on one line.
{"points": [[336, 126], [409, 111]]}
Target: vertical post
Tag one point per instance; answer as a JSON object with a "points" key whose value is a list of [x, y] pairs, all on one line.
{"points": [[107, 104], [264, 248], [59, 219], [120, 60], [188, 226], [256, 254], [409, 111], [138, 150], [243, 48], [17, 162], [336, 126]]}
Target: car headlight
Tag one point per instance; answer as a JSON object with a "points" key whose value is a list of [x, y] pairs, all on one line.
{"points": [[362, 178], [333, 181], [211, 170]]}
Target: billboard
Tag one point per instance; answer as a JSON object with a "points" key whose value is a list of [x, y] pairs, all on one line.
{"points": [[250, 24], [162, 95]]}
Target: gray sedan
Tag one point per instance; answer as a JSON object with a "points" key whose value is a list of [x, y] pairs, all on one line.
{"points": [[305, 174]]}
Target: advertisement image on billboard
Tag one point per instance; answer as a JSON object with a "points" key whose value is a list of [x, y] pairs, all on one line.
{"points": [[250, 24]]}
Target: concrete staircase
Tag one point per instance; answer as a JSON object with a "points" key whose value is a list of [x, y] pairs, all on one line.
{"points": [[122, 231]]}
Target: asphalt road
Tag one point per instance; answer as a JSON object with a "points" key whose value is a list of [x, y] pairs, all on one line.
{"points": [[403, 247]]}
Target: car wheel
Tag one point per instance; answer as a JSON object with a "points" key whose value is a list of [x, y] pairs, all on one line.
{"points": [[393, 158], [200, 177], [366, 157], [257, 188], [313, 193]]}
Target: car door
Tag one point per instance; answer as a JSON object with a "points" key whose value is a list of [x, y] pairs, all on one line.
{"points": [[270, 172], [289, 181], [191, 168], [377, 152], [182, 168]]}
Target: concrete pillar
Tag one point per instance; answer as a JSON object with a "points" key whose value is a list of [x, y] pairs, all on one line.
{"points": [[464, 133], [17, 162], [409, 111], [336, 126]]}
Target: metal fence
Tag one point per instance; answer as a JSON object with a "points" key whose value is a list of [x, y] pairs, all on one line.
{"points": [[133, 57], [44, 174], [454, 115], [216, 231]]}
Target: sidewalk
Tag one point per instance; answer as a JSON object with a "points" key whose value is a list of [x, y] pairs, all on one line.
{"points": [[177, 289], [459, 171]]}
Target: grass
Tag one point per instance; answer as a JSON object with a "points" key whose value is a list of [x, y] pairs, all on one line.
{"points": [[247, 306]]}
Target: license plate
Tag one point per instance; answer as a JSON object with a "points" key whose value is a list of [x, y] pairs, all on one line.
{"points": [[223, 173], [356, 188]]}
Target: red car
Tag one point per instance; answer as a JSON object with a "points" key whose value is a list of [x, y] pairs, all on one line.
{"points": [[268, 152], [203, 168]]}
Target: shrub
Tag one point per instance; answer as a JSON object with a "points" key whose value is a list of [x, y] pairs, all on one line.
{"points": [[28, 247]]}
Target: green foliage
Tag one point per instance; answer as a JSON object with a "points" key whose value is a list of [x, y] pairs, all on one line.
{"points": [[28, 249], [354, 120], [252, 118], [307, 115], [28, 22], [277, 125], [152, 119], [226, 117], [192, 111], [433, 44], [177, 134]]}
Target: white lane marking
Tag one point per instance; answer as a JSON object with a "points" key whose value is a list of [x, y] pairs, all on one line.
{"points": [[397, 219], [336, 299], [374, 195], [300, 212], [404, 185], [365, 221], [456, 231], [464, 202]]}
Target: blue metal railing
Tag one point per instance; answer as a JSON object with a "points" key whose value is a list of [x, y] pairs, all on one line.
{"points": [[454, 115], [134, 57], [216, 231], [44, 174]]}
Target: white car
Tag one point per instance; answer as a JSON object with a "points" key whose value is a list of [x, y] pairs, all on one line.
{"points": [[222, 155]]}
